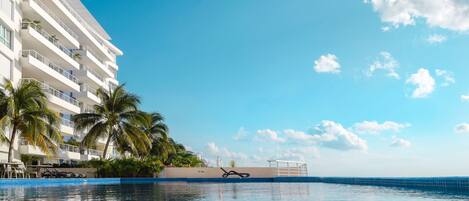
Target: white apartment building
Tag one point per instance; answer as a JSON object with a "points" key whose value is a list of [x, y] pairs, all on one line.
{"points": [[60, 44]]}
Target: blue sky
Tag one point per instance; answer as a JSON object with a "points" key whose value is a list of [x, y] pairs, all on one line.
{"points": [[355, 88]]}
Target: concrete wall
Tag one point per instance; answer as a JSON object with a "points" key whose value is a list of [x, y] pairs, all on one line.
{"points": [[255, 172]]}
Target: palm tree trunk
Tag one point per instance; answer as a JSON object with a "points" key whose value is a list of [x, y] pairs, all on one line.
{"points": [[12, 142], [107, 145]]}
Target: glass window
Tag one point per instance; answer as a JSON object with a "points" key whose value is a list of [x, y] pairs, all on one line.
{"points": [[5, 36]]}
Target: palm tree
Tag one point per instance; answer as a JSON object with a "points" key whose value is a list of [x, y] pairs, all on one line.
{"points": [[113, 119], [24, 110]]}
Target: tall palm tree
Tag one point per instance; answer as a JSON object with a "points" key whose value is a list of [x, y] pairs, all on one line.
{"points": [[24, 110], [113, 119]]}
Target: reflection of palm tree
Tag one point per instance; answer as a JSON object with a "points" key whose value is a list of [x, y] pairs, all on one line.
{"points": [[24, 110], [113, 119]]}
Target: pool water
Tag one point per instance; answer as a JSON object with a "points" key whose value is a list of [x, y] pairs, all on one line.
{"points": [[224, 191]]}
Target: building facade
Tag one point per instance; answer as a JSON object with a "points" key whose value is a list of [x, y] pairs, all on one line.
{"points": [[61, 45]]}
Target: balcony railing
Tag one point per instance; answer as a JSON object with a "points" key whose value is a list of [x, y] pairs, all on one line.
{"points": [[87, 109], [88, 88], [49, 37], [69, 148], [93, 54], [67, 122], [51, 65], [95, 152], [57, 93], [84, 68], [57, 19]]}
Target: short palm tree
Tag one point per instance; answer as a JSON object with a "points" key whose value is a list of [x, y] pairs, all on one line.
{"points": [[113, 119], [152, 124], [24, 110]]}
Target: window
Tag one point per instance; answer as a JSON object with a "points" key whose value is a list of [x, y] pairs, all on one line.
{"points": [[5, 36]]}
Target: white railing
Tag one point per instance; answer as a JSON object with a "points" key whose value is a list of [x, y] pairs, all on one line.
{"points": [[88, 88], [91, 71], [289, 168], [57, 93], [69, 148], [51, 65], [87, 109], [93, 54], [57, 19], [80, 19], [95, 152], [67, 122], [48, 36]]}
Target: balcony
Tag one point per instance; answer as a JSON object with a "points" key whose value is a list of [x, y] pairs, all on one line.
{"points": [[90, 154], [88, 95], [87, 109], [58, 100], [35, 37], [69, 152], [29, 149], [81, 27], [67, 126], [34, 64], [89, 59], [88, 75], [36, 9]]}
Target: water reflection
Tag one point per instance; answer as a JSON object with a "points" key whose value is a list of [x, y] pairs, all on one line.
{"points": [[224, 192]]}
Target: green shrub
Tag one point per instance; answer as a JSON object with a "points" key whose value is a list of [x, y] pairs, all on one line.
{"points": [[127, 167]]}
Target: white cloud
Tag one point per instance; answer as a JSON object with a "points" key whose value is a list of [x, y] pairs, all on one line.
{"points": [[334, 135], [465, 98], [327, 64], [299, 153], [399, 142], [436, 38], [447, 14], [298, 135], [214, 150], [269, 135], [241, 134], [447, 76], [424, 82], [386, 63], [373, 127], [462, 128], [385, 28]]}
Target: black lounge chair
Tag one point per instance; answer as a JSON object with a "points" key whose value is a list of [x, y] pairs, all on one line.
{"points": [[232, 172]]}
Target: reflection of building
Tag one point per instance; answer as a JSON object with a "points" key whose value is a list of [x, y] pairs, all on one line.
{"points": [[61, 45]]}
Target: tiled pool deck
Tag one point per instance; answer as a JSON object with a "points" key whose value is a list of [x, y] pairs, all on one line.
{"points": [[435, 183]]}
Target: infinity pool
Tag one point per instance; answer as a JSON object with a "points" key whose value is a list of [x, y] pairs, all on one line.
{"points": [[224, 191]]}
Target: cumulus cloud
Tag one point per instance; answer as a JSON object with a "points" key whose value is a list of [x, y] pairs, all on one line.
{"points": [[447, 14], [447, 77], [241, 134], [424, 82], [299, 135], [214, 150], [436, 38], [385, 63], [334, 135], [373, 127], [462, 128], [327, 64], [399, 142], [465, 98], [299, 153], [269, 135]]}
